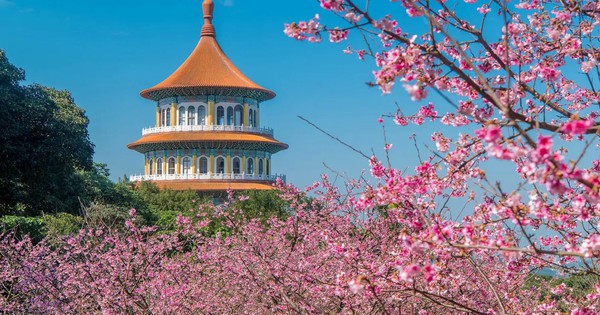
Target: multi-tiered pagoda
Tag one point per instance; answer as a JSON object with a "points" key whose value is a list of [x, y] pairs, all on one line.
{"points": [[207, 135]]}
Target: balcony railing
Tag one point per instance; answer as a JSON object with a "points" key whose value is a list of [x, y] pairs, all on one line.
{"points": [[150, 130], [208, 176]]}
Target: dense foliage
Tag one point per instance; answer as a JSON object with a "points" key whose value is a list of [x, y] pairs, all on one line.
{"points": [[44, 143]]}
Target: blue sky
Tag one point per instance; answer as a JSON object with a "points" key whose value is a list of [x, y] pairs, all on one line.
{"points": [[106, 52]]}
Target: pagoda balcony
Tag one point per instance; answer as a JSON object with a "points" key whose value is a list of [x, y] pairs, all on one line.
{"points": [[207, 176], [229, 128]]}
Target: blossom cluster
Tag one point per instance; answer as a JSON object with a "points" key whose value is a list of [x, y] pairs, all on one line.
{"points": [[520, 81]]}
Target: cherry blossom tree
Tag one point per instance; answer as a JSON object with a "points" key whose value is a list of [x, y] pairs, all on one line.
{"points": [[518, 82], [330, 257], [336, 254], [503, 81]]}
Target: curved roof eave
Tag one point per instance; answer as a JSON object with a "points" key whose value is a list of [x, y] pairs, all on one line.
{"points": [[234, 139], [212, 185]]}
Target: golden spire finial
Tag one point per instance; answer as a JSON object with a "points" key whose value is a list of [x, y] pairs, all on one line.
{"points": [[208, 29]]}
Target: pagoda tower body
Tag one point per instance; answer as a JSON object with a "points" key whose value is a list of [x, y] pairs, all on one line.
{"points": [[207, 135]]}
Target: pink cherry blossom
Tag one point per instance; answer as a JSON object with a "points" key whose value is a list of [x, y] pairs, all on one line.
{"points": [[337, 35], [333, 5], [490, 133], [576, 126]]}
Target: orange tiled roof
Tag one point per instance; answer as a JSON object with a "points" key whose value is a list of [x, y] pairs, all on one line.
{"points": [[195, 137], [212, 185], [207, 71]]}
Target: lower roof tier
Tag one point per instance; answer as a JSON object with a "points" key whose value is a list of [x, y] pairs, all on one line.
{"points": [[196, 140], [214, 185]]}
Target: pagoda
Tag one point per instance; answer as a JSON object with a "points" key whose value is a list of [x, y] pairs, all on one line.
{"points": [[207, 135]]}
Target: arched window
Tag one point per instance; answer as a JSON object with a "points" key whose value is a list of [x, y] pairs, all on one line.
{"points": [[251, 118], [250, 166], [171, 166], [191, 116], [203, 165], [159, 166], [254, 118], [201, 115], [268, 167], [260, 167], [237, 167], [168, 117], [220, 165], [239, 115], [220, 116], [186, 166], [182, 116], [151, 168], [229, 116]]}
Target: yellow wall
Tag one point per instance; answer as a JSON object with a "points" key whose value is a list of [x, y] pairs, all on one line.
{"points": [[243, 166], [173, 114], [157, 116], [257, 122], [211, 113], [211, 164], [246, 114], [178, 165], [228, 164], [255, 166], [194, 158]]}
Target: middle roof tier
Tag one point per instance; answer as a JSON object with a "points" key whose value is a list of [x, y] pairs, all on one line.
{"points": [[207, 139]]}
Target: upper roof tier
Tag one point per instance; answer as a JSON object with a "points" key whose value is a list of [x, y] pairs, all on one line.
{"points": [[207, 71]]}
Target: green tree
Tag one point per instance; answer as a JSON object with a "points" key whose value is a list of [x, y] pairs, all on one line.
{"points": [[262, 204], [44, 142], [163, 206], [61, 224]]}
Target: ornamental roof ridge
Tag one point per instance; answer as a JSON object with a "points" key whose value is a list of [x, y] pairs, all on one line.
{"points": [[207, 68]]}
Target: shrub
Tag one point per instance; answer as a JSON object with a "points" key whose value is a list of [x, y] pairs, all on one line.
{"points": [[20, 226]]}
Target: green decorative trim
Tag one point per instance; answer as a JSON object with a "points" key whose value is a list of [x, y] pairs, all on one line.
{"points": [[194, 98], [258, 94]]}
